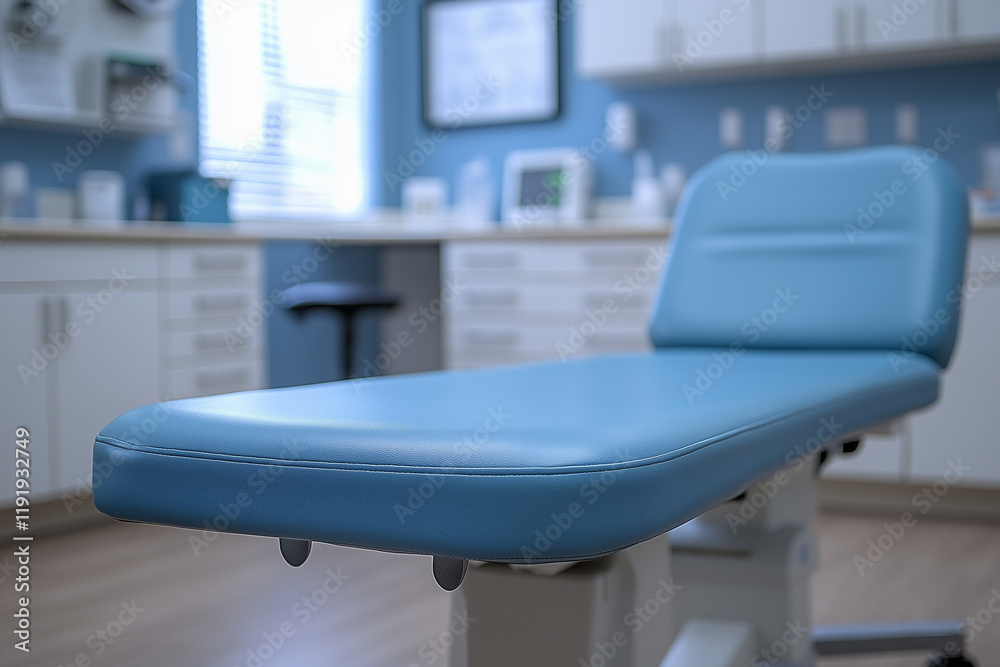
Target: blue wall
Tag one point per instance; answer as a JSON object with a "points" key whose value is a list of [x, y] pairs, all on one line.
{"points": [[680, 123], [133, 155]]}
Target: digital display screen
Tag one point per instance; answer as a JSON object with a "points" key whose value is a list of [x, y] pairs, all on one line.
{"points": [[542, 188]]}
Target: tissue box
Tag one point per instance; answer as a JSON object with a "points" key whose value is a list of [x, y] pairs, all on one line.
{"points": [[188, 197]]}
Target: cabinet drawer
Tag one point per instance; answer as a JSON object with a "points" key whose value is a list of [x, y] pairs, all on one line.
{"points": [[984, 253], [626, 319], [617, 340], [210, 380], [555, 298], [213, 261], [51, 261], [476, 357], [583, 256], [215, 343], [549, 339], [211, 303], [484, 257]]}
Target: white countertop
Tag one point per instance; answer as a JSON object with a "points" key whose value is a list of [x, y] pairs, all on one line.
{"points": [[374, 231], [387, 231]]}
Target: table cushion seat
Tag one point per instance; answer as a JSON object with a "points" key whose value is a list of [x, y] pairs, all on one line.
{"points": [[536, 463]]}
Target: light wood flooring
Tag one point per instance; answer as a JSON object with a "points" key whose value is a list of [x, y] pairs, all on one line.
{"points": [[210, 609]]}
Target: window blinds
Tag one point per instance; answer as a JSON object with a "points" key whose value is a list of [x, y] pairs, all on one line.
{"points": [[282, 102]]}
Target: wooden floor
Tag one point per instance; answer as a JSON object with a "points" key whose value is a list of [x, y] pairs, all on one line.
{"points": [[219, 608]]}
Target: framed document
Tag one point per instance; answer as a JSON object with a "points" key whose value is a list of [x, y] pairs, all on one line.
{"points": [[489, 62]]}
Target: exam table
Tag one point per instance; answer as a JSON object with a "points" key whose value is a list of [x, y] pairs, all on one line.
{"points": [[808, 299]]}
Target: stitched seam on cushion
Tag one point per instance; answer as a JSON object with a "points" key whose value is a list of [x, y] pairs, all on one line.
{"points": [[408, 469]]}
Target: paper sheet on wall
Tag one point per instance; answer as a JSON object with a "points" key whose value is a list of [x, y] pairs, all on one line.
{"points": [[36, 81], [491, 62]]}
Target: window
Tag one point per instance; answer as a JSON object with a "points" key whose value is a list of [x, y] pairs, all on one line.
{"points": [[283, 106]]}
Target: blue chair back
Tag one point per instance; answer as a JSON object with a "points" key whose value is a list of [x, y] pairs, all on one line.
{"points": [[852, 250]]}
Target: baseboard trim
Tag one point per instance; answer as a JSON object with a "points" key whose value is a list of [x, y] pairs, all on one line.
{"points": [[53, 518], [976, 504]]}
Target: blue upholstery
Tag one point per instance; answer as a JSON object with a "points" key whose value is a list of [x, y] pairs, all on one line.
{"points": [[554, 461], [868, 267], [471, 464]]}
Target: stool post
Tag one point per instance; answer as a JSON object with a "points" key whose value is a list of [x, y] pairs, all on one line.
{"points": [[347, 348], [345, 299]]}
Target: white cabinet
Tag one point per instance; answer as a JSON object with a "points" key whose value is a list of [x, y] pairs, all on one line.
{"points": [[972, 21], [882, 457], [24, 396], [535, 300], [111, 367], [79, 326], [666, 38], [620, 37], [965, 422], [711, 33], [214, 319], [648, 37], [90, 330], [795, 30], [886, 25]]}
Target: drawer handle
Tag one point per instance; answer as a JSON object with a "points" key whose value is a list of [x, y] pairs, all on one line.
{"points": [[220, 262], [638, 300], [596, 299], [489, 260], [481, 337], [614, 258], [220, 302], [606, 341], [491, 298], [213, 341], [219, 378]]}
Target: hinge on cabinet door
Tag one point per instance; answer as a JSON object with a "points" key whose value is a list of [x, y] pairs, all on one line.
{"points": [[953, 18], [860, 36], [55, 321], [670, 43], [840, 26]]}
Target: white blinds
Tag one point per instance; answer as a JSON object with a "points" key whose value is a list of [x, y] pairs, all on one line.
{"points": [[282, 106]]}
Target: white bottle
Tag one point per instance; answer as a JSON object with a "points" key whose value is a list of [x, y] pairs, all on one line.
{"points": [[647, 197], [673, 178], [14, 186], [474, 203], [100, 197]]}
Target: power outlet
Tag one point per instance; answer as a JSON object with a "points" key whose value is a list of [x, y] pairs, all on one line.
{"points": [[731, 128], [846, 127], [907, 124], [775, 124]]}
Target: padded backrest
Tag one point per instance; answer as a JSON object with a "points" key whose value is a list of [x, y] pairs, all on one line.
{"points": [[860, 249]]}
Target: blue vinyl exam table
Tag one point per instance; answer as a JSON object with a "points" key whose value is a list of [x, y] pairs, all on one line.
{"points": [[808, 299]]}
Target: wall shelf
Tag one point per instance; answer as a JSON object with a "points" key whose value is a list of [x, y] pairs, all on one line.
{"points": [[83, 38]]}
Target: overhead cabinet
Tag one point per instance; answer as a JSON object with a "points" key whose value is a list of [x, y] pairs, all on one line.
{"points": [[650, 37], [710, 33], [796, 30], [973, 21], [621, 38], [647, 39]]}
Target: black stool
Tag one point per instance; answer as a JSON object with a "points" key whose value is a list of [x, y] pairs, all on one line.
{"points": [[344, 298]]}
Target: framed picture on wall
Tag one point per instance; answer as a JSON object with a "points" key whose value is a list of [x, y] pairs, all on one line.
{"points": [[490, 62]]}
